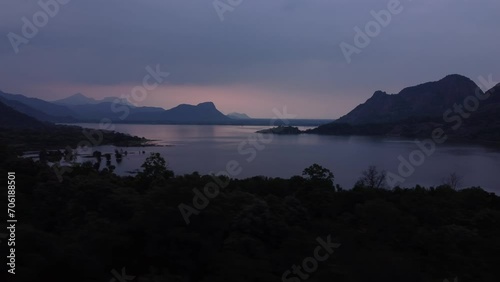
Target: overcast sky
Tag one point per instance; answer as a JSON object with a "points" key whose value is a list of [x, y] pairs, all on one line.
{"points": [[264, 54]]}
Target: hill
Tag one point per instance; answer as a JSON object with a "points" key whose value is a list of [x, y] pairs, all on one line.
{"points": [[34, 106], [238, 116], [429, 99], [79, 108], [417, 111], [10, 118], [204, 113], [80, 99]]}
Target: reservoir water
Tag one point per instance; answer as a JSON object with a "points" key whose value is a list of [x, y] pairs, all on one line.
{"points": [[207, 149]]}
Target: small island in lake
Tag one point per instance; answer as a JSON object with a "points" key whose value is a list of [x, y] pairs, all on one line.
{"points": [[283, 130]]}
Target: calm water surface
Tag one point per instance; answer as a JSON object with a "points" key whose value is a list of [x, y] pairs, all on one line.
{"points": [[208, 149]]}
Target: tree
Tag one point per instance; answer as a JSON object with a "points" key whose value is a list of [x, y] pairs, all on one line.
{"points": [[373, 178], [318, 174], [118, 156], [453, 181], [154, 167], [108, 159], [43, 156], [97, 155]]}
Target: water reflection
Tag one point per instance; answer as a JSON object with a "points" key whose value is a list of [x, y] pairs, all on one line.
{"points": [[209, 148]]}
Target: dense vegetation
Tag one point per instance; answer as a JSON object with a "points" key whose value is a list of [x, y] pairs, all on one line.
{"points": [[61, 136], [94, 222]]}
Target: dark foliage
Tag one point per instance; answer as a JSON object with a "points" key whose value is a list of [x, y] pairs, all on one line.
{"points": [[254, 230]]}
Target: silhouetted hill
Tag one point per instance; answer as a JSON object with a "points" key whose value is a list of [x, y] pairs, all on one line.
{"points": [[108, 110], [10, 118], [79, 108], [39, 115], [238, 116], [495, 95], [204, 113], [61, 113], [182, 114], [417, 111], [75, 99], [80, 99], [430, 99]]}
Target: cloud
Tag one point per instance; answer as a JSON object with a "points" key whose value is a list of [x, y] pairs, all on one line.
{"points": [[290, 46]]}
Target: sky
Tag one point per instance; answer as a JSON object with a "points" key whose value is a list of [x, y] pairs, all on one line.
{"points": [[247, 56]]}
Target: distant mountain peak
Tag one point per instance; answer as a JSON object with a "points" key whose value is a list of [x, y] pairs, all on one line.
{"points": [[379, 93], [79, 99], [206, 104], [79, 95], [238, 116], [76, 99], [455, 77]]}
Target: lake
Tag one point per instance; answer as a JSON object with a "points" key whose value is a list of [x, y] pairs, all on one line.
{"points": [[207, 149]]}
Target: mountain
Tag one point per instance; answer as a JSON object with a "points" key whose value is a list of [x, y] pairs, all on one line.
{"points": [[80, 99], [417, 111], [76, 99], [430, 99], [39, 115], [89, 109], [79, 108], [51, 110], [494, 95], [109, 110], [204, 113], [10, 118], [238, 116]]}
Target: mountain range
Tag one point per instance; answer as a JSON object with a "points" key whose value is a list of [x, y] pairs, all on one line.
{"points": [[10, 118], [238, 116], [454, 103], [80, 99], [79, 108]]}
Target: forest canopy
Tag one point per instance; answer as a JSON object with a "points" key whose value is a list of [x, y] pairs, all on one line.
{"points": [[94, 223]]}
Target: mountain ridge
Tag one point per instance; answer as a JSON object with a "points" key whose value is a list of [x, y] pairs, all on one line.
{"points": [[428, 99], [235, 115], [95, 110], [417, 111], [80, 99], [10, 118]]}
